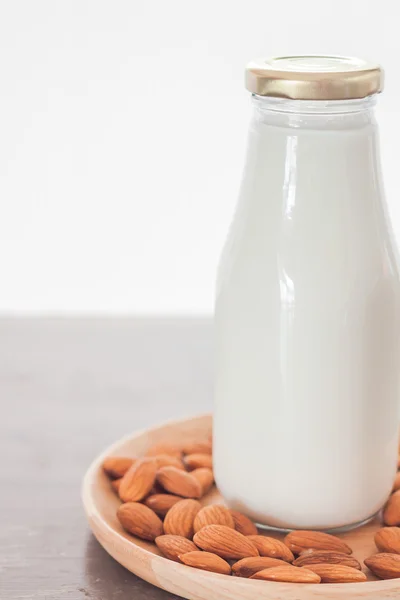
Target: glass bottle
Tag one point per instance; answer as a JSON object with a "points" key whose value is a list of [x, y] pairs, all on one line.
{"points": [[308, 305]]}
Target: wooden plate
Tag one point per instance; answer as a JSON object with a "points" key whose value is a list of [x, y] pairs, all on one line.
{"points": [[143, 558]]}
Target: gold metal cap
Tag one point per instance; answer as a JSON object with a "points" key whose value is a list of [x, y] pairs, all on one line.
{"points": [[314, 77]]}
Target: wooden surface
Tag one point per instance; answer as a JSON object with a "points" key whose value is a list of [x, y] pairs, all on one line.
{"points": [[144, 559], [68, 389]]}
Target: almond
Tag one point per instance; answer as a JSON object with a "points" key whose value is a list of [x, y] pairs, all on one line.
{"points": [[161, 503], [287, 573], [301, 540], [215, 514], [396, 484], [225, 542], [337, 573], [243, 524], [246, 567], [174, 545], [138, 480], [391, 512], [117, 466], [167, 460], [179, 519], [206, 561], [269, 546], [179, 482], [388, 540], [115, 484], [205, 477], [140, 520], [198, 448], [170, 449], [198, 461], [325, 556], [385, 565]]}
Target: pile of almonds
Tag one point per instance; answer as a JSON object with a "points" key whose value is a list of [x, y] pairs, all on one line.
{"points": [[160, 495]]}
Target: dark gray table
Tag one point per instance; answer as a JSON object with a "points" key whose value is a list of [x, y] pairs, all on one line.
{"points": [[68, 388]]}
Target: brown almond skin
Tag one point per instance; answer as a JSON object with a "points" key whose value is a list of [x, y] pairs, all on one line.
{"points": [[337, 573], [138, 480], [269, 546], [301, 540], [215, 514], [391, 511], [198, 461], [387, 539], [170, 449], [288, 574], [198, 448], [166, 460], [206, 561], [385, 565], [115, 484], [180, 518], [243, 524], [324, 556], [246, 567], [396, 484], [117, 466], [161, 503], [140, 520], [205, 477], [174, 545], [179, 482], [224, 541]]}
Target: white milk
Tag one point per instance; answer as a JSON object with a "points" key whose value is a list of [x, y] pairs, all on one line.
{"points": [[307, 323]]}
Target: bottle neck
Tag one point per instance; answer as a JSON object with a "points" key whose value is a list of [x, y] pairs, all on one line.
{"points": [[336, 114]]}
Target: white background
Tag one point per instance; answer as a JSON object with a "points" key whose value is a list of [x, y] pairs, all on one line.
{"points": [[122, 135]]}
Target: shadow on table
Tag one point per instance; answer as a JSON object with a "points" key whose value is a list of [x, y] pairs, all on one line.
{"points": [[105, 579]]}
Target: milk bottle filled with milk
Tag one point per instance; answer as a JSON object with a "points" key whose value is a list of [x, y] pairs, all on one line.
{"points": [[308, 305]]}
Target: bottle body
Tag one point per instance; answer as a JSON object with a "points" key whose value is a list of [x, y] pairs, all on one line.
{"points": [[307, 323]]}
